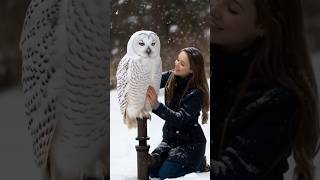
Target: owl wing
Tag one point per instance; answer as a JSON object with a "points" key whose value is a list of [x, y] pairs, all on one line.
{"points": [[131, 76], [37, 45], [122, 82]]}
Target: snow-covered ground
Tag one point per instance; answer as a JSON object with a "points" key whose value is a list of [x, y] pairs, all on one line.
{"points": [[123, 155]]}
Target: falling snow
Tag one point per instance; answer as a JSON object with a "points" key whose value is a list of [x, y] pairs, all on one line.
{"points": [[133, 19], [178, 23], [173, 28]]}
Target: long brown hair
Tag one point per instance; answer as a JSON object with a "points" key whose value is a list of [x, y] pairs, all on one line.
{"points": [[282, 56], [198, 80]]}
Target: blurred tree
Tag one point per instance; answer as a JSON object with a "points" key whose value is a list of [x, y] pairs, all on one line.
{"points": [[178, 23]]}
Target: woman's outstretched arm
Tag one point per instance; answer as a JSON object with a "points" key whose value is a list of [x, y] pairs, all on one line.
{"points": [[185, 115]]}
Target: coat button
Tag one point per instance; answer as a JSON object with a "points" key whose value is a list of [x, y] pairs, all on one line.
{"points": [[177, 132]]}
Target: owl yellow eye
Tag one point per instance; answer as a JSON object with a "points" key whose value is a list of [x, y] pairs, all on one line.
{"points": [[152, 44], [141, 43]]}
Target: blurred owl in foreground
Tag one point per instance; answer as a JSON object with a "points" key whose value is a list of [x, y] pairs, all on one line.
{"points": [[139, 68], [65, 46]]}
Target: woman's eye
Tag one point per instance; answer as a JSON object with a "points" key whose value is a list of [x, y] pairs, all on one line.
{"points": [[141, 43]]}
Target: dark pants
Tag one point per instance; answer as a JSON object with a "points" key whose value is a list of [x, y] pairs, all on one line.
{"points": [[170, 169]]}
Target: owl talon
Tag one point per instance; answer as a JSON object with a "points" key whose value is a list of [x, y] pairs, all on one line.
{"points": [[146, 115]]}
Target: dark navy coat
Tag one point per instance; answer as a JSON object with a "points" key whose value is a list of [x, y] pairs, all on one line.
{"points": [[183, 139], [259, 129]]}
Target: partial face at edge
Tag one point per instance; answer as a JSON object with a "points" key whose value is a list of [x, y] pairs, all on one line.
{"points": [[234, 23]]}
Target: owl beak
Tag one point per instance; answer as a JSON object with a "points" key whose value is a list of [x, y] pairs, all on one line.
{"points": [[148, 51]]}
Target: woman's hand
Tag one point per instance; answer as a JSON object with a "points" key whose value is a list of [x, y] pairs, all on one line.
{"points": [[152, 97]]}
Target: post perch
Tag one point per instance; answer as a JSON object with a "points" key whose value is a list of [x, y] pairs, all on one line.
{"points": [[143, 156]]}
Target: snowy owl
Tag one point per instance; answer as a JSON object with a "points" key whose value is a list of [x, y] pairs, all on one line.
{"points": [[139, 68], [64, 46]]}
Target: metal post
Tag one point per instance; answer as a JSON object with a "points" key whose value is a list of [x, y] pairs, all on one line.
{"points": [[143, 157]]}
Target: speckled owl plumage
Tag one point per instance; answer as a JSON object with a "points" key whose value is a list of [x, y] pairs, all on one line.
{"points": [[139, 68], [64, 45]]}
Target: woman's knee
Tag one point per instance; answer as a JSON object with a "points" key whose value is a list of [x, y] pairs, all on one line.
{"points": [[171, 169]]}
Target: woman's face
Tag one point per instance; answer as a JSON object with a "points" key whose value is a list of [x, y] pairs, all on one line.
{"points": [[234, 23], [182, 65]]}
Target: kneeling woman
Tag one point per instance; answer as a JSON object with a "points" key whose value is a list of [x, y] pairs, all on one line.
{"points": [[186, 94]]}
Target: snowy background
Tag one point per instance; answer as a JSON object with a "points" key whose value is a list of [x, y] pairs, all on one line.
{"points": [[178, 23]]}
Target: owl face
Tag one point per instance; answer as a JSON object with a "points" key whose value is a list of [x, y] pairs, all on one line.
{"points": [[145, 44]]}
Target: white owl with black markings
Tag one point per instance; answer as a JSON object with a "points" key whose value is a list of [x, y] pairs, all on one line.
{"points": [[139, 68], [64, 46]]}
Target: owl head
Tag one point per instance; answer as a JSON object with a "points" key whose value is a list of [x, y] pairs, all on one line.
{"points": [[144, 44]]}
